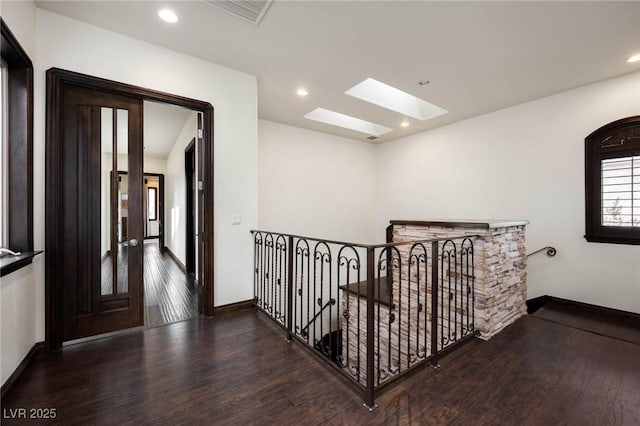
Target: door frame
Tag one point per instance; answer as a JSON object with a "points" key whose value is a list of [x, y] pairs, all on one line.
{"points": [[57, 79], [190, 243], [160, 177], [160, 202]]}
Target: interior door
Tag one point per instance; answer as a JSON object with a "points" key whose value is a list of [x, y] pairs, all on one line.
{"points": [[102, 212]]}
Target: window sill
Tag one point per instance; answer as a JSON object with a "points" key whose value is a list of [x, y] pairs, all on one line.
{"points": [[9, 264], [612, 239]]}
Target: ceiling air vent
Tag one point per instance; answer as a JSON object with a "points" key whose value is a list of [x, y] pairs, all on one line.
{"points": [[249, 10], [372, 138]]}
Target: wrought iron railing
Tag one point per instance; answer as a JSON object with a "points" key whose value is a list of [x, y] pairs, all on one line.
{"points": [[368, 310], [551, 251]]}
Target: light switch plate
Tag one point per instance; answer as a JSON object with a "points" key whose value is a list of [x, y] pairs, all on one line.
{"points": [[235, 219]]}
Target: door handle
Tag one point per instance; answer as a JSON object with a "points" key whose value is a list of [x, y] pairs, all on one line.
{"points": [[133, 242]]}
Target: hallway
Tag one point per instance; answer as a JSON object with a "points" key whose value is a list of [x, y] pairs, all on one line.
{"points": [[170, 295]]}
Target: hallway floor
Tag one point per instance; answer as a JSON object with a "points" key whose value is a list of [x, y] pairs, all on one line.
{"points": [[170, 295], [237, 369]]}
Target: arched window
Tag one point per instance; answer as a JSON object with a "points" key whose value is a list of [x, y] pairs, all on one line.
{"points": [[612, 183]]}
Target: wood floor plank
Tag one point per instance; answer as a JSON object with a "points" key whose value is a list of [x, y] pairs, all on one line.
{"points": [[170, 295], [238, 369], [615, 324]]}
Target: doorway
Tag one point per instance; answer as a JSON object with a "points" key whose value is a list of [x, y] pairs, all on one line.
{"points": [[153, 195], [170, 291], [95, 240]]}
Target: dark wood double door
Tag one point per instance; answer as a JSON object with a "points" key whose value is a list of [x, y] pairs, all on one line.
{"points": [[102, 220], [94, 137]]}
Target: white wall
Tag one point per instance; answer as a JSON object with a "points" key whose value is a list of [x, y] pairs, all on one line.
{"points": [[154, 164], [22, 292], [76, 46], [175, 187], [315, 184], [68, 44], [524, 162]]}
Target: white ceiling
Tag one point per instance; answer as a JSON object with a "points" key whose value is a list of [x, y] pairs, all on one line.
{"points": [[162, 126], [478, 56]]}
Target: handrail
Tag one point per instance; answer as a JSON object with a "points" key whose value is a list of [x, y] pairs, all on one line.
{"points": [[371, 344], [551, 251], [304, 329], [366, 246]]}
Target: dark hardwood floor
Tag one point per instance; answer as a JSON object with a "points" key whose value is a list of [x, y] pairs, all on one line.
{"points": [[616, 324], [238, 369], [170, 295], [106, 272]]}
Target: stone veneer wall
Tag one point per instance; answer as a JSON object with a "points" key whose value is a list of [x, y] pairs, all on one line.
{"points": [[354, 339], [500, 276], [389, 355], [499, 287]]}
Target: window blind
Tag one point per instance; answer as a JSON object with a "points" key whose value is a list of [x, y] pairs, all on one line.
{"points": [[621, 191]]}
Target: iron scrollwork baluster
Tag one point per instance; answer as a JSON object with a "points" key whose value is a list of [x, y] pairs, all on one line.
{"points": [[349, 263], [417, 260]]}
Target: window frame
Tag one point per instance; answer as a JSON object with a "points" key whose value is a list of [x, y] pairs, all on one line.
{"points": [[19, 185], [624, 135], [4, 77]]}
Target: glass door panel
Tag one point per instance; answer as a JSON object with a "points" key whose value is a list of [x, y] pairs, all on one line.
{"points": [[114, 214]]}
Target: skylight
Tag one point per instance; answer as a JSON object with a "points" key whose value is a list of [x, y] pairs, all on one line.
{"points": [[389, 97], [337, 119]]}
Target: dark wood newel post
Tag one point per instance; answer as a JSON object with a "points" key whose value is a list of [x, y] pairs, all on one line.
{"points": [[370, 396], [290, 285], [434, 302]]}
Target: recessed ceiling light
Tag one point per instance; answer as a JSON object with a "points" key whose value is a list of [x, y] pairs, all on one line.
{"points": [[634, 58], [394, 99], [342, 120], [302, 92], [405, 123], [168, 15]]}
